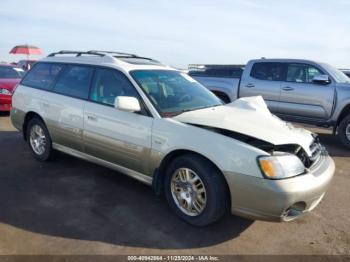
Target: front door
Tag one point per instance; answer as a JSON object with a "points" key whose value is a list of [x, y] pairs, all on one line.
{"points": [[119, 137], [301, 97]]}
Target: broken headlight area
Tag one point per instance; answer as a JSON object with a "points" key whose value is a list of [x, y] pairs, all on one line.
{"points": [[293, 149]]}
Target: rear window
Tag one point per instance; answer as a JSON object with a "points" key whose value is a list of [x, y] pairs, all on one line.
{"points": [[42, 75], [9, 72], [75, 81], [267, 71]]}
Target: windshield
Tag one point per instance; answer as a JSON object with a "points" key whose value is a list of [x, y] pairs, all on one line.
{"points": [[338, 75], [173, 92], [11, 72]]}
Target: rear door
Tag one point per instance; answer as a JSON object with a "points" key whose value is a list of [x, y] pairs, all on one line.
{"points": [[264, 79], [300, 97], [58, 96], [119, 137], [65, 106]]}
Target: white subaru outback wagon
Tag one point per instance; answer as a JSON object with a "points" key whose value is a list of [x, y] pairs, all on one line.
{"points": [[158, 125]]}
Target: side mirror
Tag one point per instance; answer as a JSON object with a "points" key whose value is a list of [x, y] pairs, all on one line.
{"points": [[127, 103], [321, 79]]}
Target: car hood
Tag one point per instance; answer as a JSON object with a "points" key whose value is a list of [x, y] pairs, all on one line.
{"points": [[9, 84], [250, 116]]}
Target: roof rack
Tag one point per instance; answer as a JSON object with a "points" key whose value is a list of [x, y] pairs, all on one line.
{"points": [[78, 53], [114, 52], [110, 54], [122, 55]]}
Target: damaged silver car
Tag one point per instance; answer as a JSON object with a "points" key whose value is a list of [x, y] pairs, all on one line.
{"points": [[158, 125]]}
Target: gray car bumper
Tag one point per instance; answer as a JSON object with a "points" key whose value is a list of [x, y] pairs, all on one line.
{"points": [[280, 200]]}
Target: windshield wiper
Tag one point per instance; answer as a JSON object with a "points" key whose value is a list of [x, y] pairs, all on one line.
{"points": [[175, 113], [198, 108], [194, 109]]}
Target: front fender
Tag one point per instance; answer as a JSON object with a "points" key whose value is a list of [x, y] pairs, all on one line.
{"points": [[228, 154]]}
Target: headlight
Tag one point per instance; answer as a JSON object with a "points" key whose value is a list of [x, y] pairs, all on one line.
{"points": [[4, 91], [281, 166]]}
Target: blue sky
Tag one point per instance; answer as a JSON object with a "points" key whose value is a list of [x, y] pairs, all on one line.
{"points": [[182, 31]]}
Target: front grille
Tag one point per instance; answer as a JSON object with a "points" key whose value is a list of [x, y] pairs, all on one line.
{"points": [[316, 151]]}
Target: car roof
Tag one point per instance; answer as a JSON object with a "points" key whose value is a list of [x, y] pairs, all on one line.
{"points": [[286, 60], [125, 61]]}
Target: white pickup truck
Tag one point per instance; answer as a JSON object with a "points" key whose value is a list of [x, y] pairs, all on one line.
{"points": [[296, 90]]}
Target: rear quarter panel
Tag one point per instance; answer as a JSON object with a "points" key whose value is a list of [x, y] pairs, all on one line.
{"points": [[22, 102]]}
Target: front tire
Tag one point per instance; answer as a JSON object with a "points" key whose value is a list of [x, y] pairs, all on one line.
{"points": [[196, 190], [39, 140], [344, 131]]}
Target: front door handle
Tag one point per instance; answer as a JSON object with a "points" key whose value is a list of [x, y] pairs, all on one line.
{"points": [[287, 88], [250, 85]]}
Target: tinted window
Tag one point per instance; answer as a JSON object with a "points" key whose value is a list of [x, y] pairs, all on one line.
{"points": [[302, 73], [108, 84], [75, 81], [10, 72], [42, 75], [267, 71]]}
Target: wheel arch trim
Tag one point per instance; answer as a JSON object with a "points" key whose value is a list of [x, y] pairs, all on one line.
{"points": [[158, 174], [28, 116]]}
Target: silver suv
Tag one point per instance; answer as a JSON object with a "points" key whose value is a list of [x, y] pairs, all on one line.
{"points": [[160, 126]]}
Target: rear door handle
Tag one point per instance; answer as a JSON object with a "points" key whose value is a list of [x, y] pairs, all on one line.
{"points": [[287, 88], [92, 117], [46, 104], [250, 85]]}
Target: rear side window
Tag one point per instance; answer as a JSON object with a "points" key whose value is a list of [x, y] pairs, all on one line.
{"points": [[267, 71], [74, 81], [42, 75]]}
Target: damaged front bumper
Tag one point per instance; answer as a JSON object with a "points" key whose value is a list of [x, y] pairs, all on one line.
{"points": [[280, 200]]}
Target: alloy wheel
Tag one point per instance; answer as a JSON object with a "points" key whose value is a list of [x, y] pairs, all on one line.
{"points": [[188, 191], [37, 139]]}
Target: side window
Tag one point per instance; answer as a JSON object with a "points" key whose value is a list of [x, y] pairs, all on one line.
{"points": [[267, 71], [75, 81], [108, 84], [302, 73], [42, 75]]}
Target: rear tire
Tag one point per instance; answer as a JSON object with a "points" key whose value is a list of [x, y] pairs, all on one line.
{"points": [[39, 139], [188, 199], [344, 131]]}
